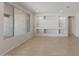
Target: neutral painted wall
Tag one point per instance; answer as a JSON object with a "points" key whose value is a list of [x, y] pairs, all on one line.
{"points": [[74, 24], [10, 43], [20, 25], [56, 14], [76, 27], [65, 31], [1, 28]]}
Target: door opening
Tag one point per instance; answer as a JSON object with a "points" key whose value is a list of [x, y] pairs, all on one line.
{"points": [[71, 21]]}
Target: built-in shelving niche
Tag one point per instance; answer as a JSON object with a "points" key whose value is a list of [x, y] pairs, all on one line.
{"points": [[59, 26], [46, 31]]}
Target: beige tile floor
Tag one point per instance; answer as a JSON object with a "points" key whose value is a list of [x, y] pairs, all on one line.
{"points": [[48, 46]]}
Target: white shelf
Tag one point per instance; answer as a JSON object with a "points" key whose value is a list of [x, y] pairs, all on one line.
{"points": [[50, 26]]}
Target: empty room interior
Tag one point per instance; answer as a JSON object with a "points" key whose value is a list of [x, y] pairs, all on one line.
{"points": [[39, 28]]}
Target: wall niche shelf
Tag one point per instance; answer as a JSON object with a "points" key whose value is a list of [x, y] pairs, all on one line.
{"points": [[51, 25]]}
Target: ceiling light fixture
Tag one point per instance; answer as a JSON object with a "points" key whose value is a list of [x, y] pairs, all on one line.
{"points": [[67, 6]]}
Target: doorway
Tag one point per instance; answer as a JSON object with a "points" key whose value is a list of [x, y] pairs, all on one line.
{"points": [[71, 20]]}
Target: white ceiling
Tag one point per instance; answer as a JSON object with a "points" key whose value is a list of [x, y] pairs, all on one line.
{"points": [[52, 7]]}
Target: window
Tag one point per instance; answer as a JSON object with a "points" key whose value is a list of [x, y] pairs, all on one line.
{"points": [[16, 21], [8, 20]]}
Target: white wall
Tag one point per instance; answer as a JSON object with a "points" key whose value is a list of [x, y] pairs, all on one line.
{"points": [[10, 43], [55, 29], [1, 28], [76, 27], [56, 14], [20, 25]]}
